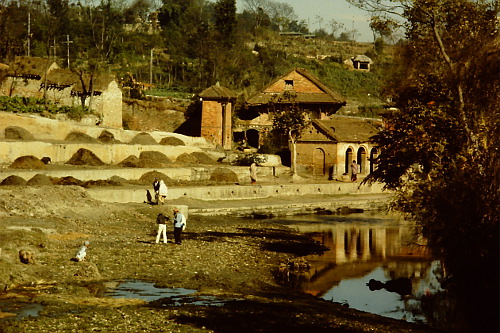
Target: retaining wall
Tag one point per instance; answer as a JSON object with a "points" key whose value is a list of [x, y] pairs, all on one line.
{"points": [[108, 153], [49, 133], [235, 192], [45, 129], [201, 173]]}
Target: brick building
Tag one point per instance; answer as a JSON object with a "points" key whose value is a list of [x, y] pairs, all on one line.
{"points": [[331, 142], [42, 78], [328, 146], [309, 93], [216, 115]]}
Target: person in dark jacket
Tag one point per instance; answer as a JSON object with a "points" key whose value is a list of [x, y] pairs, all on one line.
{"points": [[156, 189], [161, 220]]}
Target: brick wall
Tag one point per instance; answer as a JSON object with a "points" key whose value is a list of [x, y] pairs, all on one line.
{"points": [[211, 121], [300, 84], [317, 158], [212, 126]]}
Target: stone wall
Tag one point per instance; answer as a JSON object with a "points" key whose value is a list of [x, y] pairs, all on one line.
{"points": [[239, 192], [50, 135], [107, 105], [45, 129], [62, 152]]}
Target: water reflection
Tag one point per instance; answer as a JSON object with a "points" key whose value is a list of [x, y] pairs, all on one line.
{"points": [[19, 310], [147, 291], [366, 247]]}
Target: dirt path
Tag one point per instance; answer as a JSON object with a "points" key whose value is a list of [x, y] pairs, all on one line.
{"points": [[232, 259]]}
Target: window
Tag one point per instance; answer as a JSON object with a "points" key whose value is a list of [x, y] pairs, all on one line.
{"points": [[288, 84]]}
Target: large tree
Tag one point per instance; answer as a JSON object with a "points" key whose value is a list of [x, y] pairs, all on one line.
{"points": [[448, 123], [225, 21]]}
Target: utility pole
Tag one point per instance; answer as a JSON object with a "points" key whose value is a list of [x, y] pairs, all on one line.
{"points": [[151, 68], [67, 42], [54, 48], [353, 30], [29, 29]]}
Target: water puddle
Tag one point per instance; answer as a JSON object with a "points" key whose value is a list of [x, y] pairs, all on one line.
{"points": [[146, 291], [10, 309]]}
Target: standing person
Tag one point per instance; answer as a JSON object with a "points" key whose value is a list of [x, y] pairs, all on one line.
{"points": [[179, 225], [354, 171], [82, 252], [162, 192], [253, 173], [156, 189], [161, 220]]}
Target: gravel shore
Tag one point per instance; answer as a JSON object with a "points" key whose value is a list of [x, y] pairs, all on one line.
{"points": [[231, 260]]}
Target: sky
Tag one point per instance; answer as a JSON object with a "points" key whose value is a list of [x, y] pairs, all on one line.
{"points": [[339, 10]]}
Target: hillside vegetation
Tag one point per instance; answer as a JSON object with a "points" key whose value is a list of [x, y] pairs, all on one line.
{"points": [[184, 46]]}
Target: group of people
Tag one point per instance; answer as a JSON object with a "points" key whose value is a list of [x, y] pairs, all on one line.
{"points": [[161, 220], [179, 226], [161, 191]]}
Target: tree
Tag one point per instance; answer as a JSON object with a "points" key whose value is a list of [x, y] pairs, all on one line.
{"points": [[384, 27], [335, 26], [13, 17], [447, 123], [289, 120], [59, 12], [225, 21], [281, 14]]}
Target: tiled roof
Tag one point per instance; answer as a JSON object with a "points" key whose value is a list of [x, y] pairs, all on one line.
{"points": [[217, 92], [346, 129], [62, 77], [328, 96], [30, 66], [100, 82], [362, 58]]}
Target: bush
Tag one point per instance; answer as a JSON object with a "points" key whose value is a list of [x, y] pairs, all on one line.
{"points": [[40, 105]]}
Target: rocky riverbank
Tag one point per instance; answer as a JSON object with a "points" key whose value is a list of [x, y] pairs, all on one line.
{"points": [[230, 260]]}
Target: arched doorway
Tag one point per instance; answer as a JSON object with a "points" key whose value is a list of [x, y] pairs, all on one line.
{"points": [[319, 162], [373, 159], [361, 156], [348, 160]]}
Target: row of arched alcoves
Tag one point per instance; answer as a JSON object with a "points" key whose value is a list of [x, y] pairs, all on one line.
{"points": [[365, 157]]}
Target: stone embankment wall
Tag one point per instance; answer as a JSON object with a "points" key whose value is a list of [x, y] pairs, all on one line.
{"points": [[186, 173], [50, 134], [62, 152], [238, 192]]}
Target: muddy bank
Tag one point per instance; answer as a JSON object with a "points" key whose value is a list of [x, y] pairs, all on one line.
{"points": [[231, 259]]}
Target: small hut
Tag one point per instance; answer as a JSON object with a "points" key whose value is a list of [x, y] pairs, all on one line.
{"points": [[216, 115]]}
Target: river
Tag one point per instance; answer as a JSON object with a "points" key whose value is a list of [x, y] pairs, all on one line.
{"points": [[373, 264]]}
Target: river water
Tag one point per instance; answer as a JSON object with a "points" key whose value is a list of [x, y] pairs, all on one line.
{"points": [[363, 247]]}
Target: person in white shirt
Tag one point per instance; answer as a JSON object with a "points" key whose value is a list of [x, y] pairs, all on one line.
{"points": [[82, 252], [163, 191]]}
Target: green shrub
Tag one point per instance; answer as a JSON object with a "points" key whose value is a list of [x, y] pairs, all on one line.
{"points": [[40, 105]]}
